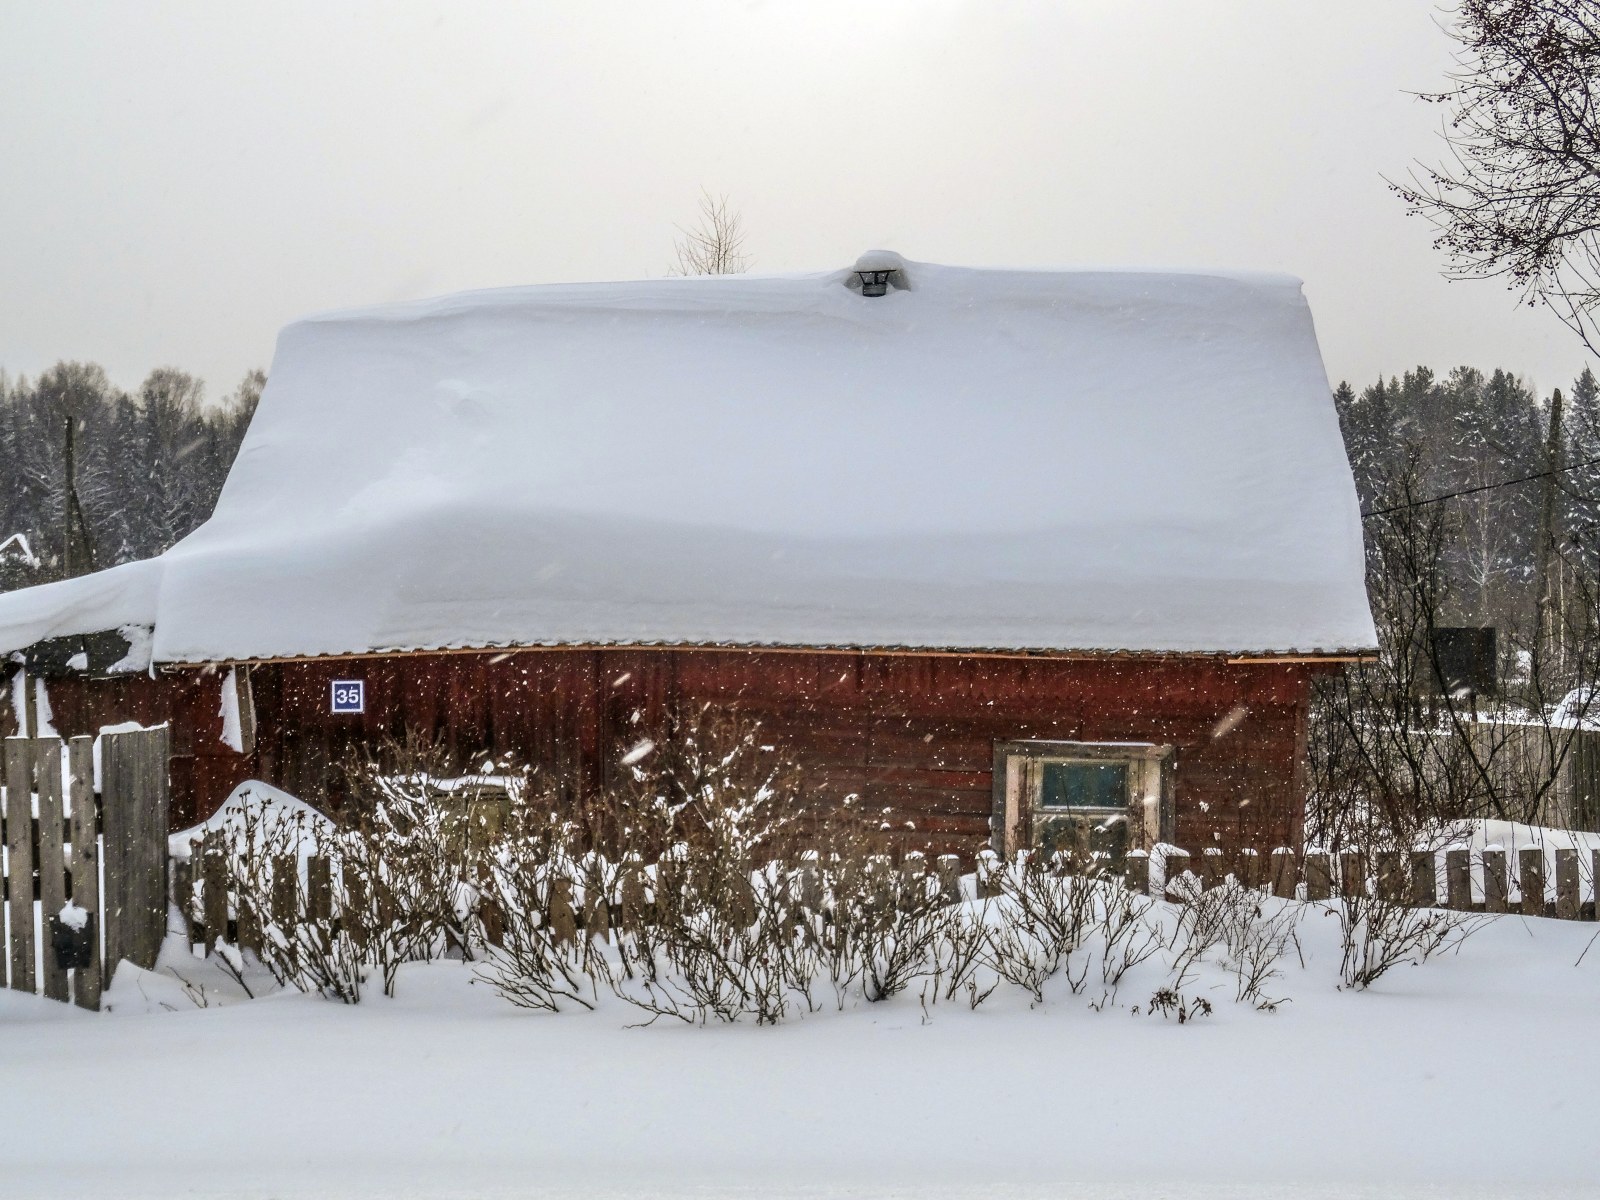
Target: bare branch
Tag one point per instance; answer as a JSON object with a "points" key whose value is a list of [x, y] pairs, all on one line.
{"points": [[715, 245]]}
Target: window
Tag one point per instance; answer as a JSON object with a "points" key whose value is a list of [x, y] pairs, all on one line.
{"points": [[1106, 797], [1076, 785]]}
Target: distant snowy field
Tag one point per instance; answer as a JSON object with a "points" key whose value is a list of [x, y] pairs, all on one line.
{"points": [[1474, 1075]]}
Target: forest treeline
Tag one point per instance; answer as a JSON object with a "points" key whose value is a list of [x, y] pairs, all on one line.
{"points": [[1484, 440], [149, 464], [1480, 518]]}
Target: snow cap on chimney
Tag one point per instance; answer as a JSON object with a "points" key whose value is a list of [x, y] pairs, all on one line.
{"points": [[877, 271]]}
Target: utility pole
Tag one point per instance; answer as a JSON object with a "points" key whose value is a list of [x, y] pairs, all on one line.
{"points": [[1547, 530], [77, 553]]}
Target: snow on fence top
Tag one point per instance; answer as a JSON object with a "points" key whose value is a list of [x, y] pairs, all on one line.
{"points": [[992, 459]]}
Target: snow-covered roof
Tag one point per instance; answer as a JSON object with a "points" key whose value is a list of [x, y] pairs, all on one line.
{"points": [[993, 459]]}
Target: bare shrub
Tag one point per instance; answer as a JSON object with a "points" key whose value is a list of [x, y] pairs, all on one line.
{"points": [[958, 956], [1230, 920], [1254, 952], [718, 810], [1021, 957], [311, 955], [1060, 907], [1047, 916], [1168, 1002], [413, 856], [1129, 936], [536, 965], [1379, 931]]}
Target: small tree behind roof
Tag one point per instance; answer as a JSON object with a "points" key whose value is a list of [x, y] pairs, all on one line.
{"points": [[715, 244]]}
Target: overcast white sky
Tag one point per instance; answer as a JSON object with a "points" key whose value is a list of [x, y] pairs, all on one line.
{"points": [[178, 180]]}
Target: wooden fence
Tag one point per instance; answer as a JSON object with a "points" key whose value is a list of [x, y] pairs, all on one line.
{"points": [[104, 852], [1517, 757], [313, 889], [1455, 878], [208, 899], [1487, 881]]}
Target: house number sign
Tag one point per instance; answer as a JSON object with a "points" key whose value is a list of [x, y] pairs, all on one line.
{"points": [[349, 696]]}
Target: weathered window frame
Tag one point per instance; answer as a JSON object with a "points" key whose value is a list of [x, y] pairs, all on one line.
{"points": [[1018, 774]]}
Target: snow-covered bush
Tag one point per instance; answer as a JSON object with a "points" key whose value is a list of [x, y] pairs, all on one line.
{"points": [[1379, 930], [409, 854], [539, 962], [705, 890], [1229, 923], [726, 938], [399, 871], [1049, 917], [706, 887], [267, 846]]}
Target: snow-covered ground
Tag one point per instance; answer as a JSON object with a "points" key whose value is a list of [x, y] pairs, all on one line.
{"points": [[1473, 1075]]}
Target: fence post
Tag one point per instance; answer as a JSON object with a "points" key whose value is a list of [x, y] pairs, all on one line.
{"points": [[949, 869], [1567, 884], [1594, 884], [1424, 879], [1352, 873], [1530, 876], [811, 882], [563, 921], [52, 861], [1248, 868], [319, 888], [987, 873], [357, 903], [597, 905], [19, 860], [1319, 876], [134, 802], [1212, 868], [1391, 876], [86, 981], [1137, 872], [630, 895], [1495, 890], [214, 889], [1283, 873], [880, 885], [914, 881], [247, 924], [286, 895], [491, 920], [1175, 867], [1458, 880]]}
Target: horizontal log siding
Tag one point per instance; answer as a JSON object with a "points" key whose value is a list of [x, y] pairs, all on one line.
{"points": [[911, 735]]}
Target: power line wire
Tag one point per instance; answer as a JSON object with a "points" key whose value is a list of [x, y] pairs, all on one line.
{"points": [[1472, 491]]}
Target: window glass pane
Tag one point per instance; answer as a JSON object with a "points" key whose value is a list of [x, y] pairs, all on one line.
{"points": [[1084, 785]]}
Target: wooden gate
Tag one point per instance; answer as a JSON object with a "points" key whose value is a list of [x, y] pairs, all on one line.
{"points": [[94, 857]]}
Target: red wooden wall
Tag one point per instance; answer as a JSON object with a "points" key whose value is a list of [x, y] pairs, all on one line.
{"points": [[913, 733]]}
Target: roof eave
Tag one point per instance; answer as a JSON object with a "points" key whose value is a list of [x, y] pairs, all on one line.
{"points": [[1229, 657]]}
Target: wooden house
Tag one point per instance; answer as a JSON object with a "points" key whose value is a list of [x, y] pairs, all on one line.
{"points": [[997, 552]]}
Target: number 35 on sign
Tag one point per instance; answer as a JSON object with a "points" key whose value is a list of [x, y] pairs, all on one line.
{"points": [[349, 696]]}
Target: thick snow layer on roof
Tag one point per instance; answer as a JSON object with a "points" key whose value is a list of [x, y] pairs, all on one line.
{"points": [[992, 459], [119, 598]]}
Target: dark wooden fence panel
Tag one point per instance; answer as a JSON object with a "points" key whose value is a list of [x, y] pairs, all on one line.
{"points": [[19, 861], [53, 853], [133, 776], [86, 981], [52, 868]]}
